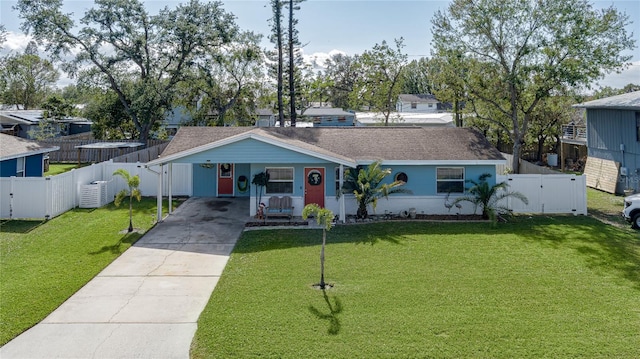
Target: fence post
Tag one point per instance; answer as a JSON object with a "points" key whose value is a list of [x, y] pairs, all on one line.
{"points": [[48, 198]]}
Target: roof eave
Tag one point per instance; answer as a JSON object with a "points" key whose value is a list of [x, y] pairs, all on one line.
{"points": [[30, 153]]}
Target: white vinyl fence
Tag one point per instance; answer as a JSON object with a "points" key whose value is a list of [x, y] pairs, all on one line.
{"points": [[48, 197], [548, 193]]}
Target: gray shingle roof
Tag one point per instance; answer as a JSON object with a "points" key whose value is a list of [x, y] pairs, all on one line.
{"points": [[13, 147], [627, 101], [419, 98], [360, 144]]}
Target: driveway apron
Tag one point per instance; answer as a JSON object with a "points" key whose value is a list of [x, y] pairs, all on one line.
{"points": [[147, 302]]}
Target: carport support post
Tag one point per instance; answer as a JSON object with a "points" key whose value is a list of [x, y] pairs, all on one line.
{"points": [[170, 187], [341, 200], [159, 196]]}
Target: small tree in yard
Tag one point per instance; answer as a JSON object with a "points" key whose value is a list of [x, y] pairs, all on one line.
{"points": [[488, 198], [132, 192], [367, 187], [324, 217]]}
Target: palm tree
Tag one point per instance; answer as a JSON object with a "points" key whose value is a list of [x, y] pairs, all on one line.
{"points": [[132, 192], [324, 217], [366, 185], [489, 198]]}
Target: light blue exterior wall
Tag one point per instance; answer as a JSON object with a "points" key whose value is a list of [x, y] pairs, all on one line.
{"points": [[204, 181], [243, 169], [422, 179]]}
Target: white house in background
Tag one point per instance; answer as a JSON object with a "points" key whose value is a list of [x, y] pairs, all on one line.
{"points": [[422, 103], [444, 119]]}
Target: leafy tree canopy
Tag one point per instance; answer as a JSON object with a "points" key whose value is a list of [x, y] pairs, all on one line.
{"points": [[516, 53], [140, 57]]}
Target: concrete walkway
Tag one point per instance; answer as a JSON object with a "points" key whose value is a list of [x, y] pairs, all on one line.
{"points": [[147, 302]]}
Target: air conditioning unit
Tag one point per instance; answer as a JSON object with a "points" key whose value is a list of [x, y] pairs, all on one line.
{"points": [[93, 195]]}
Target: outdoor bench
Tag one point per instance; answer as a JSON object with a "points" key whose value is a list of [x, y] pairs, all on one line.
{"points": [[279, 207]]}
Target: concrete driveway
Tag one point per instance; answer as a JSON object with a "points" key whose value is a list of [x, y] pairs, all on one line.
{"points": [[147, 302]]}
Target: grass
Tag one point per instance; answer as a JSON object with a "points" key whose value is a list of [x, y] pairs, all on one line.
{"points": [[538, 286], [58, 168], [44, 263], [606, 207]]}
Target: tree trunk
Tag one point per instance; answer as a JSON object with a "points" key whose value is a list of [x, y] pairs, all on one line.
{"points": [[515, 163], [130, 215], [278, 18], [292, 90], [324, 241]]}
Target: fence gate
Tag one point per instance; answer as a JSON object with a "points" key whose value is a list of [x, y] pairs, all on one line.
{"points": [[548, 193]]}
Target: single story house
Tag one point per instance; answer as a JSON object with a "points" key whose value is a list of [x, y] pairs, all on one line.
{"points": [[328, 116], [423, 103], [308, 164], [24, 122], [20, 157]]}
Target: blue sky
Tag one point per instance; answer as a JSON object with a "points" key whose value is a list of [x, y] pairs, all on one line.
{"points": [[328, 26]]}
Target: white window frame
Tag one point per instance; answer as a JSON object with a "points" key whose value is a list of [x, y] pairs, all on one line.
{"points": [[271, 180], [462, 181], [20, 166]]}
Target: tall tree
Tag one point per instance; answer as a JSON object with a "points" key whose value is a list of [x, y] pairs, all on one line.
{"points": [[380, 79], [293, 42], [141, 57], [416, 77], [516, 53], [340, 76], [28, 78], [276, 38], [110, 119], [226, 81]]}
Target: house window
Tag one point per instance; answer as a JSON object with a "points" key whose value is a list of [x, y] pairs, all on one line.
{"points": [[337, 172], [430, 105], [280, 180], [450, 180], [20, 167], [637, 126], [414, 105]]}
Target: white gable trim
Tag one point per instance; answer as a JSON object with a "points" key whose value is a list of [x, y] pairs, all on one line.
{"points": [[254, 136]]}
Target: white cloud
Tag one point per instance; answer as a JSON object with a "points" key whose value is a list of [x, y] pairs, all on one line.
{"points": [[317, 59], [620, 80], [16, 42]]}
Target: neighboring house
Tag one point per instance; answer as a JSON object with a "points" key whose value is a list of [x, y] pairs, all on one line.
{"points": [[266, 118], [406, 119], [613, 142], [328, 117], [422, 103], [24, 122], [175, 118], [433, 162], [22, 158]]}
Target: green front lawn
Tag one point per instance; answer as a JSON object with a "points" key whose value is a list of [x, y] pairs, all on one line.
{"points": [[44, 263], [534, 287]]}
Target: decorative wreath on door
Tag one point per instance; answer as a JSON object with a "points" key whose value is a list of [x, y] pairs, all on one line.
{"points": [[314, 178]]}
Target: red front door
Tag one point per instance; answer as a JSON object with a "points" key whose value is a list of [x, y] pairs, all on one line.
{"points": [[225, 179], [314, 186]]}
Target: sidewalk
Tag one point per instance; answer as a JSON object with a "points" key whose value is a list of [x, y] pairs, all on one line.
{"points": [[147, 302]]}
